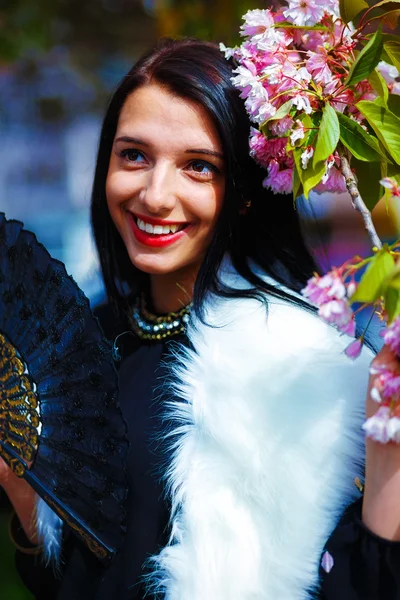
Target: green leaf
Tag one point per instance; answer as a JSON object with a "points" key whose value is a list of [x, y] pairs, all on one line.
{"points": [[372, 282], [385, 124], [393, 280], [297, 161], [386, 5], [379, 85], [392, 294], [389, 18], [391, 4], [392, 303], [311, 176], [328, 136], [283, 111], [392, 171], [367, 60], [350, 9], [368, 177], [362, 145], [392, 49], [393, 104], [297, 185]]}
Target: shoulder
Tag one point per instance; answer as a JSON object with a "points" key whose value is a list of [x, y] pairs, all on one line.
{"points": [[280, 332]]}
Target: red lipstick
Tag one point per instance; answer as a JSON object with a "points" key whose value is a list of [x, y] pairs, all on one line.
{"points": [[150, 239]]}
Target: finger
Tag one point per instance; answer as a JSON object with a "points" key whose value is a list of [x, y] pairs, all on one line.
{"points": [[386, 357]]}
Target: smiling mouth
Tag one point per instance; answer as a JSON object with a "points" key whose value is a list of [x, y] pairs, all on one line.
{"points": [[159, 230]]}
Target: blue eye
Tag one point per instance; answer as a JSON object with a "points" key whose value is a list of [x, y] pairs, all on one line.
{"points": [[132, 155], [203, 168]]}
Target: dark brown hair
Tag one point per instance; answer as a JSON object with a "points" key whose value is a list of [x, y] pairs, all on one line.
{"points": [[269, 233]]}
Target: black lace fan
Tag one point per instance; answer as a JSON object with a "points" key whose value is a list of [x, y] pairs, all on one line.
{"points": [[60, 424]]}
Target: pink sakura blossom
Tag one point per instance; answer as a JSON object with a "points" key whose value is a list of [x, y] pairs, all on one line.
{"points": [[323, 289], [263, 150], [302, 76], [376, 427], [281, 127], [306, 12], [265, 112], [305, 68], [391, 336], [245, 79], [396, 88], [330, 294], [353, 350], [302, 102], [259, 26], [327, 562], [272, 73], [390, 383], [393, 429], [317, 65], [311, 39], [388, 72], [229, 52], [257, 104], [339, 313], [333, 180], [298, 132], [343, 101], [279, 181], [256, 22], [391, 185], [387, 384], [365, 91]]}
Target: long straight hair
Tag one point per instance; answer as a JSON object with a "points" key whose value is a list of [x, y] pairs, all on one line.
{"points": [[269, 232]]}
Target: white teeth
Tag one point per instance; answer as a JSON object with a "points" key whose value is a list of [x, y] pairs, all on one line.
{"points": [[141, 224], [157, 229]]}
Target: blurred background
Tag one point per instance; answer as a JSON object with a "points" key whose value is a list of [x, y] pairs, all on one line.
{"points": [[59, 62]]}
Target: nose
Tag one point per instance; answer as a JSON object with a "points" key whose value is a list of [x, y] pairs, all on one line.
{"points": [[158, 195]]}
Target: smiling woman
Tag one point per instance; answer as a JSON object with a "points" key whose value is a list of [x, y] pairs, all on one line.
{"points": [[244, 414], [165, 188]]}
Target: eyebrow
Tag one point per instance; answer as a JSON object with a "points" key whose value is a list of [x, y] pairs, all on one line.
{"points": [[133, 140], [204, 151]]}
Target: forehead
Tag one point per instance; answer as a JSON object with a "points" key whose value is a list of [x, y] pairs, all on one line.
{"points": [[151, 111]]}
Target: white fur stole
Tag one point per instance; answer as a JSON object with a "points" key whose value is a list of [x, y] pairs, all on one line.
{"points": [[267, 444]]}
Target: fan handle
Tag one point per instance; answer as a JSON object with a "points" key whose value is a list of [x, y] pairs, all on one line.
{"points": [[20, 468]]}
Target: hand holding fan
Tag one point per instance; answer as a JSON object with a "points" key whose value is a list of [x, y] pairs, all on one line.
{"points": [[58, 393]]}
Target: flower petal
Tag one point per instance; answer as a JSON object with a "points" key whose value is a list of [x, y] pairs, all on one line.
{"points": [[327, 562]]}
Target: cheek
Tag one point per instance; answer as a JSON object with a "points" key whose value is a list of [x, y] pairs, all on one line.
{"points": [[119, 187], [212, 207]]}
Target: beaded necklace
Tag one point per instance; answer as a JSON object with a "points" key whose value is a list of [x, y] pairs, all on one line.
{"points": [[153, 327]]}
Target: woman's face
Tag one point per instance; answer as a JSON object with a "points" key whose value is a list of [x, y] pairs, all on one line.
{"points": [[165, 183]]}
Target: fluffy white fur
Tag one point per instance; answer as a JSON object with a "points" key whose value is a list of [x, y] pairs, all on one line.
{"points": [[267, 444], [49, 527]]}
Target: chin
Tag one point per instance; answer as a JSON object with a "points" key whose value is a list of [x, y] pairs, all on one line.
{"points": [[153, 265]]}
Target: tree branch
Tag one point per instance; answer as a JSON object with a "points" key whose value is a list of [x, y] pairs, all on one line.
{"points": [[358, 202]]}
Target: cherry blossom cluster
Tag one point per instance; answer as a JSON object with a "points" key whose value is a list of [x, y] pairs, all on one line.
{"points": [[288, 73], [384, 425], [331, 293]]}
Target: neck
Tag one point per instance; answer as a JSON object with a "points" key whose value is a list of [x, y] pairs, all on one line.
{"points": [[170, 293]]}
